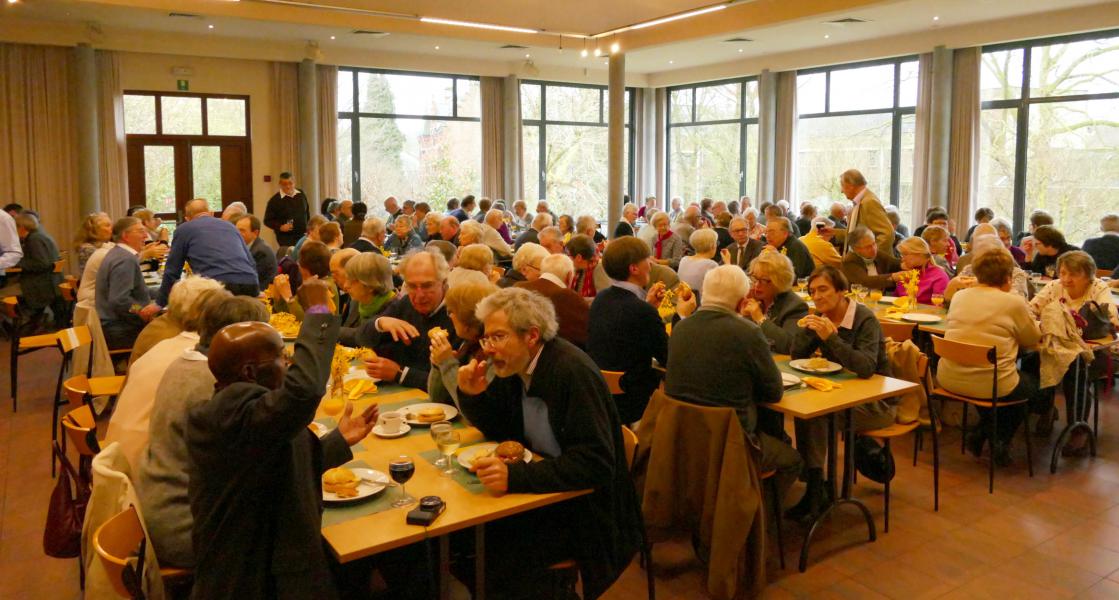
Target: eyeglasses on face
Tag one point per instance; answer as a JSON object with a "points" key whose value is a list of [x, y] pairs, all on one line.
{"points": [[495, 339]]}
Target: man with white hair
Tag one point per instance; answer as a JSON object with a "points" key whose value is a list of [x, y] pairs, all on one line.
{"points": [[526, 265], [1105, 248], [548, 395], [838, 213], [392, 208], [868, 210], [552, 239], [372, 236], [554, 283], [701, 371], [779, 238], [865, 264], [818, 241], [532, 234], [627, 225], [677, 209]]}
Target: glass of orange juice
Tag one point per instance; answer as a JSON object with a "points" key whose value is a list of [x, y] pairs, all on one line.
{"points": [[938, 300], [875, 296], [332, 405]]}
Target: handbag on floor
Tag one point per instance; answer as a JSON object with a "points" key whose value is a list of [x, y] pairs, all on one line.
{"points": [[62, 535]]}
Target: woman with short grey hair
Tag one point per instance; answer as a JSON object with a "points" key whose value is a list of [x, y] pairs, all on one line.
{"points": [[774, 306], [694, 268], [668, 248], [369, 284]]}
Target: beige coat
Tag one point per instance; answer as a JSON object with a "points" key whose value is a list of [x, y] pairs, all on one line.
{"points": [[904, 359], [871, 214]]}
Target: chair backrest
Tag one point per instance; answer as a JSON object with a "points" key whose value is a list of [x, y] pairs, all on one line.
{"points": [[81, 428], [74, 337], [963, 353], [9, 306], [899, 332], [67, 290], [76, 388], [1104, 272], [115, 541], [613, 381], [629, 438], [58, 264]]}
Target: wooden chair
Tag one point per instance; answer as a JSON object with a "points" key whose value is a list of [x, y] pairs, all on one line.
{"points": [[985, 357], [896, 430], [769, 481], [69, 292], [613, 381], [1104, 273], [21, 345], [81, 430], [120, 545], [80, 390], [899, 332]]}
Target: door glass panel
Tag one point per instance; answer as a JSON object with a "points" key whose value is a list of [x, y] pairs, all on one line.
{"points": [[159, 178], [181, 115], [206, 169]]}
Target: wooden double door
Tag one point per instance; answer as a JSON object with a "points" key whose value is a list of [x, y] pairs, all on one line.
{"points": [[165, 172]]}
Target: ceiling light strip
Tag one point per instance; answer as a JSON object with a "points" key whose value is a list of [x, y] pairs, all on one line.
{"points": [[477, 25], [669, 19], [346, 9]]}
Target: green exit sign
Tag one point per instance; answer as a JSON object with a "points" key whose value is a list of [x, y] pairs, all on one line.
{"points": [[183, 85]]}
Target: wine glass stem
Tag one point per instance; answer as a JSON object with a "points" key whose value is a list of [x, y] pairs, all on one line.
{"points": [[403, 494]]}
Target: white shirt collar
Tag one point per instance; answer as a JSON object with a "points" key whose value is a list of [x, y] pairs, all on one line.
{"points": [[130, 249], [848, 321], [553, 279], [632, 287], [858, 197]]}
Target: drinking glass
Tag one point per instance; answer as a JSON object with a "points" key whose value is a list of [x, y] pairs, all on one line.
{"points": [[333, 405], [436, 428], [861, 293], [938, 300], [401, 470], [448, 441], [802, 284], [875, 296]]}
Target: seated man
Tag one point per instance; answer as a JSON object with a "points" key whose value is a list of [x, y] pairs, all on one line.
{"points": [[532, 234], [701, 371], [549, 396], [744, 249], [37, 280], [779, 238], [263, 256], [121, 297], [584, 258], [847, 333], [572, 311], [626, 331], [1105, 248], [526, 265], [399, 335], [256, 468], [404, 239], [818, 240], [372, 236], [865, 265], [214, 249], [449, 229]]}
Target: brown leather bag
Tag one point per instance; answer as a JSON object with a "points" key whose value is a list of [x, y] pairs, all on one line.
{"points": [[62, 536]]}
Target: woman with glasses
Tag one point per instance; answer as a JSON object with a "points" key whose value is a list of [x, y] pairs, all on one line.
{"points": [[774, 306]]}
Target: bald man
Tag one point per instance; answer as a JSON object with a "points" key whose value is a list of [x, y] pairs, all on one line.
{"points": [[256, 468], [214, 249]]}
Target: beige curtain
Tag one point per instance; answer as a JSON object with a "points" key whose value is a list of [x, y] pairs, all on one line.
{"points": [[38, 164], [661, 118], [327, 77], [511, 134], [784, 161], [964, 151], [285, 120], [493, 138], [110, 114], [922, 134]]}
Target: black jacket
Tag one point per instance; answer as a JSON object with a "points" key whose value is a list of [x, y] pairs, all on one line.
{"points": [[280, 210], [626, 333], [38, 280], [749, 253], [1104, 250], [416, 356], [799, 254], [528, 235], [265, 260], [623, 229], [255, 486], [604, 524]]}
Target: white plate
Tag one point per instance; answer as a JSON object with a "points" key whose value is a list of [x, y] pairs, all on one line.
{"points": [[466, 456], [921, 318], [357, 372], [887, 299], [800, 365], [380, 432], [449, 412], [789, 380], [365, 489]]}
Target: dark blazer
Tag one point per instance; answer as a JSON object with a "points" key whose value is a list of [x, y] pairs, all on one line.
{"points": [[265, 260], [751, 251], [572, 310], [725, 239], [1104, 250], [626, 333], [416, 356], [588, 432], [803, 225], [280, 210], [255, 486], [528, 235], [363, 245], [512, 277], [623, 229], [797, 252], [38, 281], [854, 269], [780, 325], [351, 231]]}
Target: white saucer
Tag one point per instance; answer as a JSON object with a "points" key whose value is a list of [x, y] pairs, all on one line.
{"points": [[404, 429]]}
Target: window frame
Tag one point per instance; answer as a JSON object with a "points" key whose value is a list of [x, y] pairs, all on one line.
{"points": [[1025, 101], [603, 121], [897, 112], [205, 116], [356, 114]]}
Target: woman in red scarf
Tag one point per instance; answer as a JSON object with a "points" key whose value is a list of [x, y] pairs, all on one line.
{"points": [[668, 248]]}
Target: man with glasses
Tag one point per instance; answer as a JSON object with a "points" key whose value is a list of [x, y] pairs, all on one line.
{"points": [[123, 302], [549, 396], [864, 264], [779, 238], [744, 249], [399, 335]]}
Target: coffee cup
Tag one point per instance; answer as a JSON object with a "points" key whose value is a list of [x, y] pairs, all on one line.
{"points": [[390, 422]]}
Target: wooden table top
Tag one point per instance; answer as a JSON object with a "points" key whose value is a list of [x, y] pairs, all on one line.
{"points": [[386, 530], [809, 402], [937, 328]]}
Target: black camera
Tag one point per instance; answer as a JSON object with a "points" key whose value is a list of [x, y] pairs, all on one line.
{"points": [[430, 508]]}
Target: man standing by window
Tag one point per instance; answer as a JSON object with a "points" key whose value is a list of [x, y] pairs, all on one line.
{"points": [[868, 211], [287, 212]]}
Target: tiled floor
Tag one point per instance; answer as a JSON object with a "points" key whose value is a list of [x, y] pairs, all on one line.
{"points": [[1052, 536]]}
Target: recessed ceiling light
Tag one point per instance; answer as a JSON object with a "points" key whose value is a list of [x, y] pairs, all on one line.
{"points": [[332, 37], [671, 61], [437, 47], [583, 54], [210, 26], [614, 48], [740, 49], [936, 18], [476, 25], [826, 36], [528, 56]]}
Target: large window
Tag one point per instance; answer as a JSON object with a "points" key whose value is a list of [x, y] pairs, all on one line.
{"points": [[416, 136], [565, 137], [857, 116], [713, 140], [1050, 130]]}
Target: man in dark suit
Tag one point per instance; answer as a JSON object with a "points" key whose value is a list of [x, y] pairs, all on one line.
{"points": [[399, 334], [122, 298], [250, 444], [626, 225], [287, 212], [449, 228], [37, 279], [372, 236], [352, 229], [1105, 248], [626, 331], [549, 396], [464, 210], [865, 264], [263, 256], [722, 229], [779, 238], [532, 234], [554, 283], [744, 249]]}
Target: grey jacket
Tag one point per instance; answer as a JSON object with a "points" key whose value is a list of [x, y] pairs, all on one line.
{"points": [[672, 250], [120, 288], [780, 325], [860, 349]]}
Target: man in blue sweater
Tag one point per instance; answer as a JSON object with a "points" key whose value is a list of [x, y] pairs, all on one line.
{"points": [[214, 249]]}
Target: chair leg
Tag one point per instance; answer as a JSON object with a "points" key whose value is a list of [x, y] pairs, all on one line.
{"points": [[54, 411], [887, 511], [917, 444], [936, 468], [776, 510], [15, 366], [963, 429], [1029, 443], [994, 435]]}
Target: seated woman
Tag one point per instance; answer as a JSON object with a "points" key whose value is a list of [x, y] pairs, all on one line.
{"points": [[475, 258], [314, 261], [753, 229], [775, 307], [1076, 285], [567, 227], [693, 268], [939, 242], [461, 302], [403, 239], [1049, 245], [1006, 236], [989, 314], [847, 333], [915, 255], [95, 231], [369, 284], [1019, 279], [668, 248]]}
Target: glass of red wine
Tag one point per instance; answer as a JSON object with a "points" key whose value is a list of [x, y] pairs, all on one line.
{"points": [[401, 470]]}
